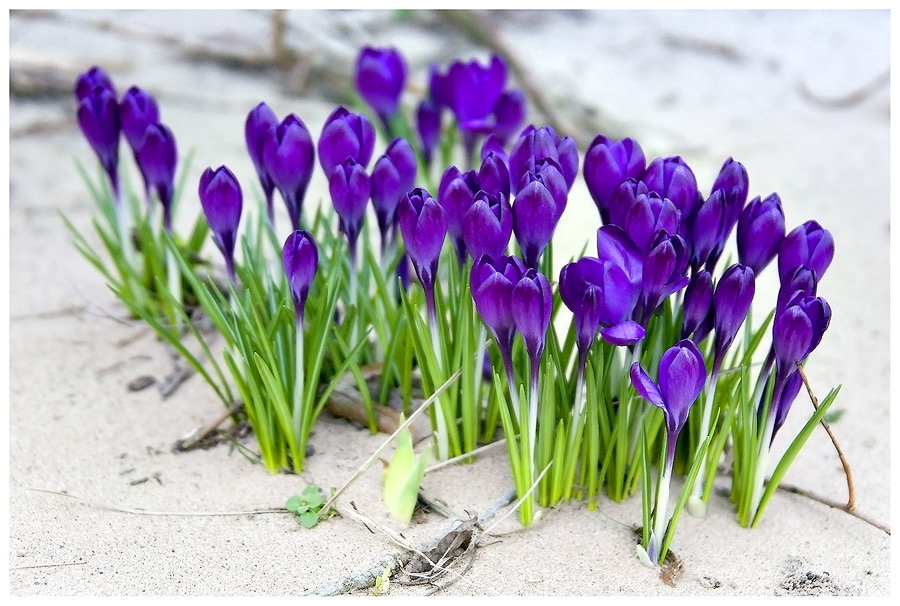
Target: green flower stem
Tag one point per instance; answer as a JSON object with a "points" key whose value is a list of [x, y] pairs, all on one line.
{"points": [[659, 514], [174, 276], [299, 391], [696, 505], [762, 462], [576, 427]]}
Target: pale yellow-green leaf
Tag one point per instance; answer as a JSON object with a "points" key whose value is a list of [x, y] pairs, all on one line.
{"points": [[403, 477]]}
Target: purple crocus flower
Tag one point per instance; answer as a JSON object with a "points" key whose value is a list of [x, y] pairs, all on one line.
{"points": [[760, 231], [137, 111], [350, 188], [98, 117], [493, 145], [550, 173], [534, 219], [663, 272], [423, 224], [614, 246], [536, 144], [222, 201], [346, 135], [698, 306], [474, 90], [672, 178], [642, 213], [492, 283], [681, 377], [509, 113], [809, 244], [157, 156], [487, 225], [801, 280], [532, 303], [731, 302], [428, 125], [608, 163], [708, 231], [258, 129], [456, 194], [288, 158], [380, 76], [493, 176], [735, 185], [301, 260], [91, 79], [393, 176]]}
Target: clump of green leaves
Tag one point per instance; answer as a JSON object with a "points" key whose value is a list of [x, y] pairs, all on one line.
{"points": [[306, 505]]}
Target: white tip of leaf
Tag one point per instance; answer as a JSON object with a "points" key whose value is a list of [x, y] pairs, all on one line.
{"points": [[696, 507]]}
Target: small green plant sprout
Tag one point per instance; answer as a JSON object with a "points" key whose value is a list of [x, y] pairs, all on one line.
{"points": [[306, 505], [383, 582], [403, 476]]}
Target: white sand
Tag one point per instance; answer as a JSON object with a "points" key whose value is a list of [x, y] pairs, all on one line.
{"points": [[702, 85]]}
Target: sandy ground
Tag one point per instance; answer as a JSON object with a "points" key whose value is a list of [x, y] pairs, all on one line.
{"points": [[799, 97]]}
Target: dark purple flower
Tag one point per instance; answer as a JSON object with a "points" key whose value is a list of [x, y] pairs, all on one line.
{"points": [[137, 111], [802, 279], [346, 135], [493, 145], [393, 176], [760, 231], [731, 302], [423, 224], [438, 87], [537, 144], [672, 178], [301, 260], [456, 194], [708, 233], [788, 393], [698, 306], [735, 185], [91, 79], [492, 283], [258, 129], [380, 76], [428, 125], [642, 215], [289, 157], [809, 244], [98, 117], [222, 202], [600, 295], [474, 90], [681, 377], [606, 164], [534, 220], [509, 113], [350, 188], [550, 174], [487, 225], [157, 157], [532, 304], [663, 272], [493, 177], [614, 246]]}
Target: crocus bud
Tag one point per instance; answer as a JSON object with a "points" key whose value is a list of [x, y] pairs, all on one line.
{"points": [[492, 283], [493, 145], [346, 135], [438, 87], [550, 173], [681, 377], [289, 157], [531, 304], [663, 272], [487, 225], [423, 224], [798, 329], [350, 189], [509, 113], [708, 230], [91, 79], [157, 157], [606, 164], [474, 91], [456, 194], [614, 246], [380, 76], [301, 260], [735, 185], [672, 178], [222, 201], [493, 177], [731, 302], [785, 399], [647, 215], [98, 117], [698, 302], [536, 144], [260, 127], [428, 125], [137, 111], [760, 231], [801, 280], [809, 244], [534, 219]]}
